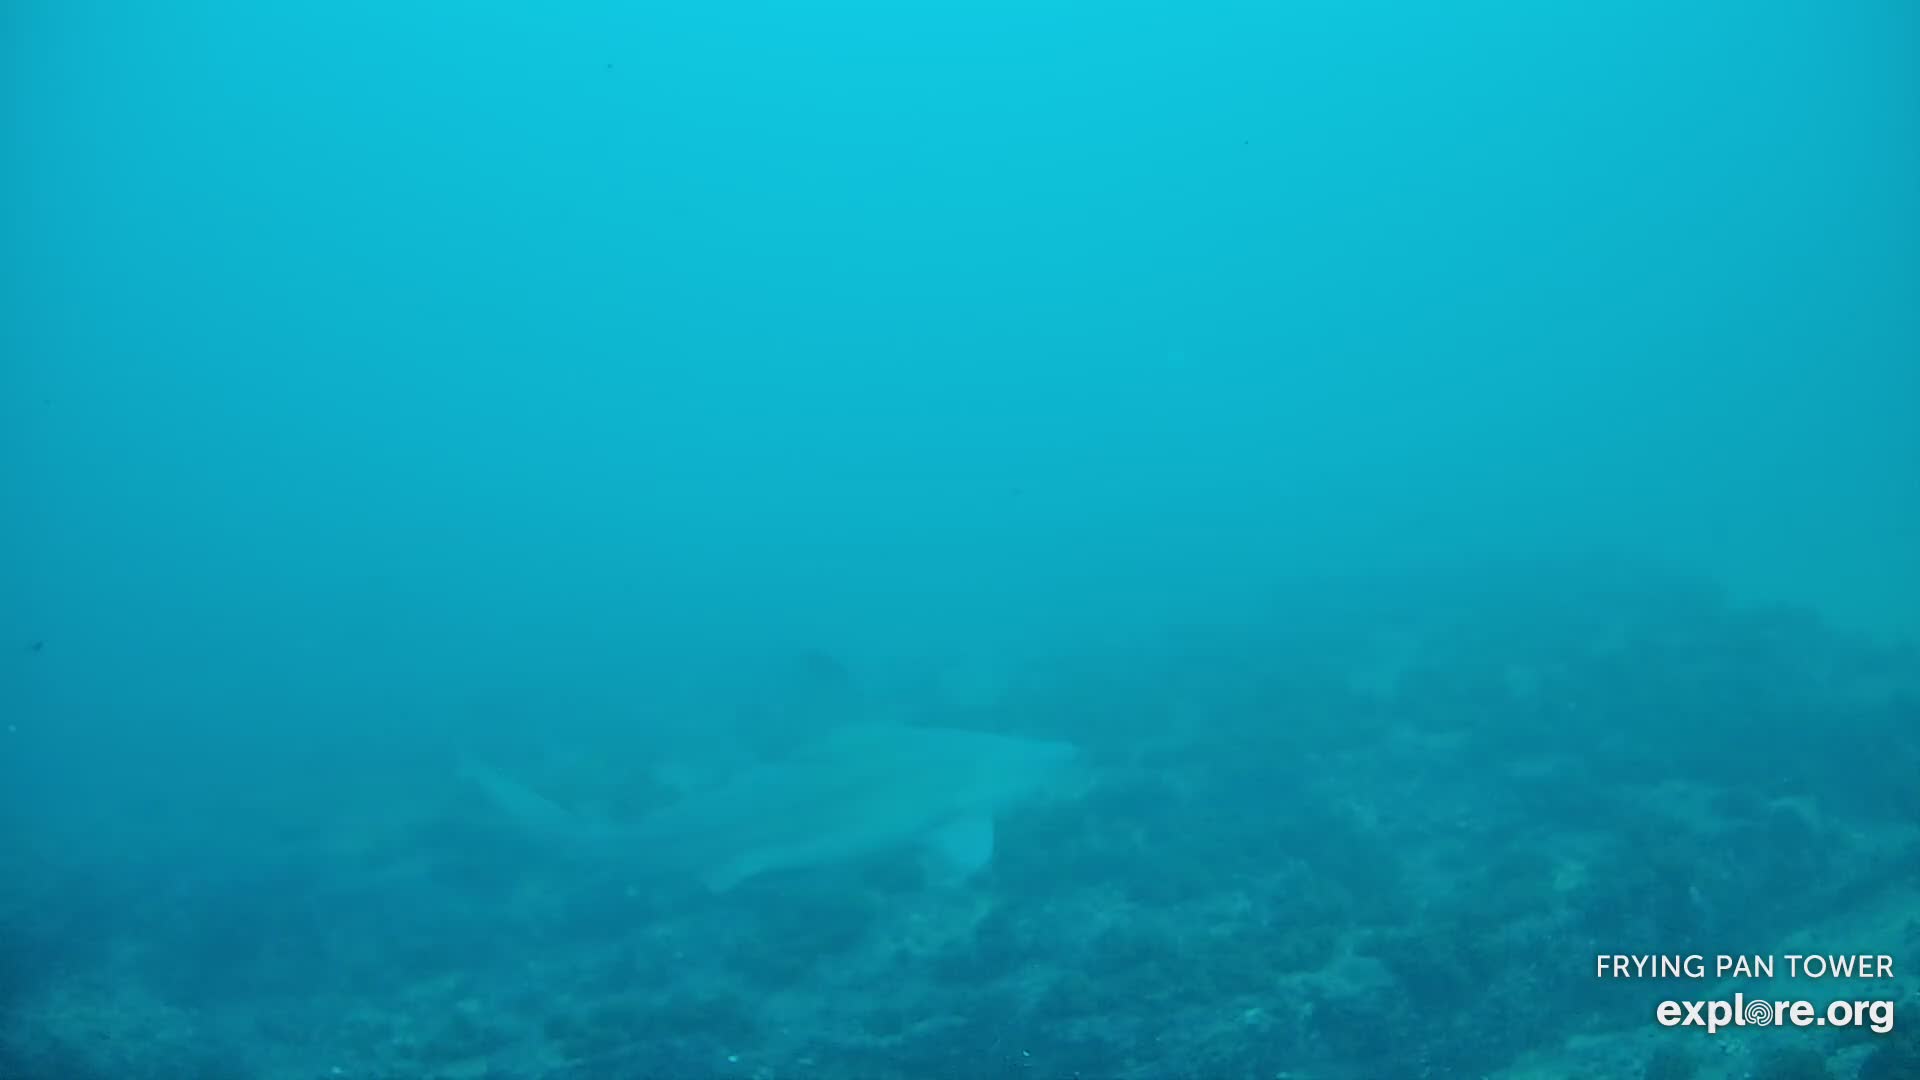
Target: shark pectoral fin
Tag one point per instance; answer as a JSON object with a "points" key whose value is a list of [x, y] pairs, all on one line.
{"points": [[960, 848]]}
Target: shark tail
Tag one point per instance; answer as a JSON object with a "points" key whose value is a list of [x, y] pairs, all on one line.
{"points": [[532, 813]]}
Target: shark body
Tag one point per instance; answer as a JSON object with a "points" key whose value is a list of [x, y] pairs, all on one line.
{"points": [[855, 792]]}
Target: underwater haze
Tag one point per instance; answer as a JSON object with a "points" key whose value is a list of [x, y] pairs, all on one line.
{"points": [[917, 541]]}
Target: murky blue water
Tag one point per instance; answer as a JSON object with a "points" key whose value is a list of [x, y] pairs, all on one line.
{"points": [[1450, 470]]}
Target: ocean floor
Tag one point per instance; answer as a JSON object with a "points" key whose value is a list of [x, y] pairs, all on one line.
{"points": [[1385, 836]]}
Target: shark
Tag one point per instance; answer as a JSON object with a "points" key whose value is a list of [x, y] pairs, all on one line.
{"points": [[854, 792]]}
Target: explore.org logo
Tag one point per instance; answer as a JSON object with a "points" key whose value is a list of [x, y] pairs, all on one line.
{"points": [[1875, 1016], [1719, 1013]]}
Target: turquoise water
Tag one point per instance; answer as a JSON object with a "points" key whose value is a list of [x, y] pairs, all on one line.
{"points": [[1449, 470]]}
